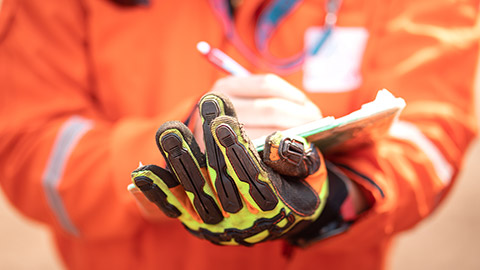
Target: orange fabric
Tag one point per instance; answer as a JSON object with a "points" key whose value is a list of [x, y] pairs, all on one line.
{"points": [[274, 153], [131, 69]]}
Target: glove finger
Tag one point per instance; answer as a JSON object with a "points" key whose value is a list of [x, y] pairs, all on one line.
{"points": [[243, 162], [149, 180], [183, 156], [212, 106], [291, 155]]}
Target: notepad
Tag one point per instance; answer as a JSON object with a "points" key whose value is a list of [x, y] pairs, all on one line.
{"points": [[364, 126]]}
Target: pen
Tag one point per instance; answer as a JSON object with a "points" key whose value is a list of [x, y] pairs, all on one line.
{"points": [[221, 60]]}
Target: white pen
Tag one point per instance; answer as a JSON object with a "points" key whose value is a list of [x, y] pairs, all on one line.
{"points": [[221, 60]]}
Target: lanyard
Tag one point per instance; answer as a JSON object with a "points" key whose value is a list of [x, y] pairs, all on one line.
{"points": [[265, 27]]}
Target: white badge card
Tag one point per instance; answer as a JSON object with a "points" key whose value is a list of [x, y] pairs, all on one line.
{"points": [[336, 66]]}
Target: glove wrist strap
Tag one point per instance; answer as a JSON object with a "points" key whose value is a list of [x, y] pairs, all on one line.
{"points": [[337, 216]]}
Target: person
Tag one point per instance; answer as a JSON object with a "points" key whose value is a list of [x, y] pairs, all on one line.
{"points": [[86, 84]]}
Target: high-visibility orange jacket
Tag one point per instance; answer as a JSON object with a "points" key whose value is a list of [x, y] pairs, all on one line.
{"points": [[85, 84]]}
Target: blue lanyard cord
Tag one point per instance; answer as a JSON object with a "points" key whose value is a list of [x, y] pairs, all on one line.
{"points": [[326, 34], [332, 7]]}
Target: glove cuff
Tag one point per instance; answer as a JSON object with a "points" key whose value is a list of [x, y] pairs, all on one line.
{"points": [[336, 217]]}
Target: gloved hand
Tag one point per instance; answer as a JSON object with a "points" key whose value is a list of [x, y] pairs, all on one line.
{"points": [[231, 196]]}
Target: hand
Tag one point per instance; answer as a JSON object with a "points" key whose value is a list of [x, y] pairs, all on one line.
{"points": [[264, 104], [231, 196]]}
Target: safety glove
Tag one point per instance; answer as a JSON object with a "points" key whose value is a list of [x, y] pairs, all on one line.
{"points": [[230, 195]]}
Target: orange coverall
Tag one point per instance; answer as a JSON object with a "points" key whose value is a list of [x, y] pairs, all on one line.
{"points": [[85, 84]]}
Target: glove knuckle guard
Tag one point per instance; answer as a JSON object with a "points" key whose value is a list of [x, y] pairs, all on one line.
{"points": [[182, 163], [211, 107], [245, 168]]}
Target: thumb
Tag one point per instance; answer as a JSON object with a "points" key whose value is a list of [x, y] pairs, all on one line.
{"points": [[291, 155]]}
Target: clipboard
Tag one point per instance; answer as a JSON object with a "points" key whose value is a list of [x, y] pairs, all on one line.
{"points": [[361, 127]]}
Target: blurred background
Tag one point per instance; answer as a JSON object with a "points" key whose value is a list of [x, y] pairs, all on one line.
{"points": [[449, 239]]}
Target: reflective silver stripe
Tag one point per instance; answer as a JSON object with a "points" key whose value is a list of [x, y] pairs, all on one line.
{"points": [[67, 138], [408, 131]]}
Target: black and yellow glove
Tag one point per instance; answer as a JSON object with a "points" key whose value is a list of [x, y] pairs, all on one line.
{"points": [[230, 195]]}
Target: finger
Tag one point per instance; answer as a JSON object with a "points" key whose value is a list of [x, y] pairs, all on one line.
{"points": [[274, 113], [212, 106], [155, 183], [259, 86], [183, 156], [292, 156], [243, 162]]}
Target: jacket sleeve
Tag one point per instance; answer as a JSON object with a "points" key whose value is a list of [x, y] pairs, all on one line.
{"points": [[430, 61], [62, 160]]}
